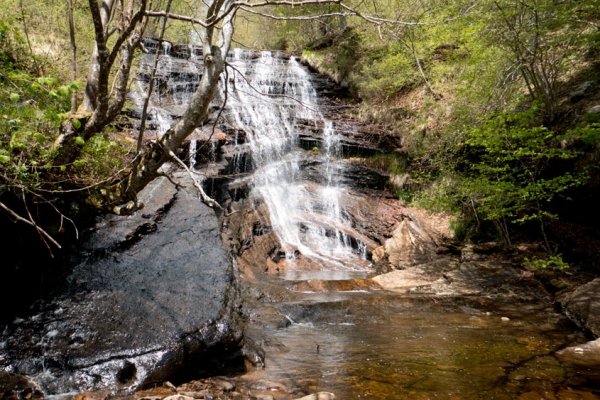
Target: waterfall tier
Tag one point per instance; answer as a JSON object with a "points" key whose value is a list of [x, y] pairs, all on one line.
{"points": [[275, 140]]}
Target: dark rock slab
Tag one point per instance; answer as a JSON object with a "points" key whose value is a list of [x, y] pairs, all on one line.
{"points": [[136, 316], [583, 306], [113, 230]]}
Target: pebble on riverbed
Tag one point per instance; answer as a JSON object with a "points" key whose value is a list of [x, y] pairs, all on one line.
{"points": [[319, 396]]}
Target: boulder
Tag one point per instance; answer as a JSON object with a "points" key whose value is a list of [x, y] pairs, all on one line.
{"points": [[580, 91], [412, 243], [584, 355], [17, 387], [137, 309], [583, 306], [447, 276], [594, 110], [404, 280]]}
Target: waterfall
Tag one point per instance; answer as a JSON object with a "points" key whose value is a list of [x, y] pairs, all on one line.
{"points": [[267, 97], [271, 100]]}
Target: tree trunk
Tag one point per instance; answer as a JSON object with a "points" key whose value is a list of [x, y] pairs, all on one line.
{"points": [[73, 55], [147, 168], [92, 90]]}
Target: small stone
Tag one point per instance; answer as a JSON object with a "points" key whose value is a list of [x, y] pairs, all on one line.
{"points": [[264, 397], [178, 397], [169, 385], [196, 395], [268, 385], [318, 396], [223, 385], [505, 319]]}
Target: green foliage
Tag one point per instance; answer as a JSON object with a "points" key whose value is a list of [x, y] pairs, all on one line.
{"points": [[31, 111], [555, 262], [405, 195], [390, 162], [389, 72], [45, 50], [442, 195], [507, 176], [101, 157], [509, 170]]}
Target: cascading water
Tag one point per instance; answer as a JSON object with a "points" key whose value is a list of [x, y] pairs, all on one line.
{"points": [[267, 96]]}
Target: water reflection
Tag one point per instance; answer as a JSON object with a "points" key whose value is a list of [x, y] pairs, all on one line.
{"points": [[366, 346]]}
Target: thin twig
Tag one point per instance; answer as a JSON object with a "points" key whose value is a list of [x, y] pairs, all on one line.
{"points": [[37, 228], [209, 201], [32, 223], [95, 184], [309, 106], [62, 216], [170, 179]]}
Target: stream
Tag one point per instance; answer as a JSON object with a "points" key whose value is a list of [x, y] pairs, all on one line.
{"points": [[382, 346]]}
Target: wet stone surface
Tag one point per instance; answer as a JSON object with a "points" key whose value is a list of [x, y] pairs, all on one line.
{"points": [[135, 316]]}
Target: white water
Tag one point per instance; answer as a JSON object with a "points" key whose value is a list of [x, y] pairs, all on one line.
{"points": [[308, 217], [266, 96]]}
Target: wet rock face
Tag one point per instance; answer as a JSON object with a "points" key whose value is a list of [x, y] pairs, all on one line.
{"points": [[134, 316], [249, 234]]}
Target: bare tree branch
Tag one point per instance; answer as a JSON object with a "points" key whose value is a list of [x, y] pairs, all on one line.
{"points": [[206, 199], [31, 223]]}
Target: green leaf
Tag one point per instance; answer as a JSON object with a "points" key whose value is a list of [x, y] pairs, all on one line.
{"points": [[4, 159], [14, 97], [54, 94], [44, 80], [39, 137], [74, 85], [79, 141], [64, 91], [76, 123]]}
